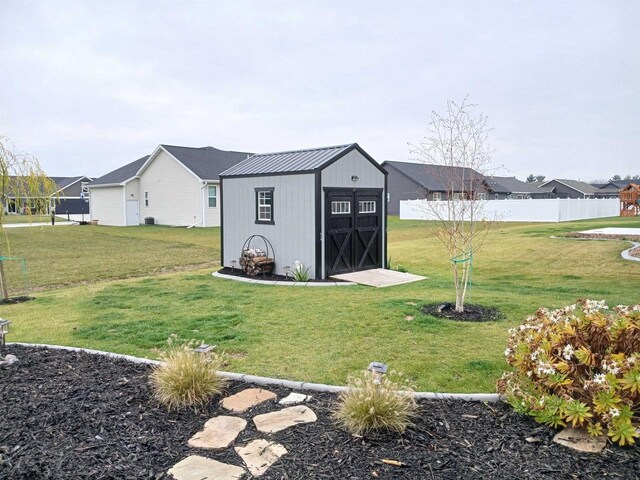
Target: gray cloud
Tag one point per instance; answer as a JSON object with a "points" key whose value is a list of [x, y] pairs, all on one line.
{"points": [[89, 86]]}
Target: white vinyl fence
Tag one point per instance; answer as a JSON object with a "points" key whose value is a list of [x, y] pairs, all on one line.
{"points": [[538, 210]]}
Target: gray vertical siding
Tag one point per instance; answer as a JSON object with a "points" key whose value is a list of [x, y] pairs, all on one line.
{"points": [[292, 235], [338, 175], [402, 188]]}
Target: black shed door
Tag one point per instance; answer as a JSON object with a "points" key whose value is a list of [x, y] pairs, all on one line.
{"points": [[353, 239]]}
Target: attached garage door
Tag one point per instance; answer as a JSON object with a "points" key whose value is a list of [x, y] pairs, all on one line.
{"points": [[353, 221]]}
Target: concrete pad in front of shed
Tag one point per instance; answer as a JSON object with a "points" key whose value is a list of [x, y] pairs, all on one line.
{"points": [[613, 231], [379, 277]]}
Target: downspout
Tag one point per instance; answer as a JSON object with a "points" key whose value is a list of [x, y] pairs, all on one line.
{"points": [[124, 202], [204, 184]]}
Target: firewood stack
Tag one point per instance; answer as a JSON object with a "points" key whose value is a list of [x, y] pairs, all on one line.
{"points": [[254, 261]]}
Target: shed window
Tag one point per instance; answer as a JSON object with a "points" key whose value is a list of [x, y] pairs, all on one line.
{"points": [[482, 196], [264, 205], [437, 195], [146, 199], [367, 206], [213, 196], [340, 207]]}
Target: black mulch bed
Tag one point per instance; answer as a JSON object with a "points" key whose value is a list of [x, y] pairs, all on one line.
{"points": [[74, 415], [236, 272], [14, 300], [472, 313]]}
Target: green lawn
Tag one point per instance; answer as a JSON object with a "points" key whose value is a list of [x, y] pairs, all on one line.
{"points": [[30, 219], [318, 334], [68, 255]]}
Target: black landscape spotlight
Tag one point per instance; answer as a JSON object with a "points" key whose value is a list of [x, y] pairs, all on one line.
{"points": [[4, 329], [378, 369], [205, 349]]}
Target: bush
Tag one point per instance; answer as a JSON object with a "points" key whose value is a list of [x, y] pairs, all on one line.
{"points": [[579, 365], [370, 404], [300, 273], [186, 378]]}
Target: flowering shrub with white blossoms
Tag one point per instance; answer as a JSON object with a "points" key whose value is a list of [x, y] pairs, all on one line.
{"points": [[578, 366]]}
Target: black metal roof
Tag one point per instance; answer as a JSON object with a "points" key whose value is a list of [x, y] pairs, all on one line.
{"points": [[434, 178], [206, 162], [294, 161]]}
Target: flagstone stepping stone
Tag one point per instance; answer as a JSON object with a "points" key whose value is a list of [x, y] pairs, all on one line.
{"points": [[579, 439], [259, 455], [218, 432], [285, 418], [195, 467], [247, 399], [293, 398]]}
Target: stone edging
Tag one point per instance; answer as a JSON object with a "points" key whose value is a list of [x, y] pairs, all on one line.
{"points": [[624, 254], [627, 253], [284, 284], [318, 387]]}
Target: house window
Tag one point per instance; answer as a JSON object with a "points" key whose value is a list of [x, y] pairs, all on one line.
{"points": [[367, 206], [264, 205], [497, 196], [437, 196], [213, 196], [482, 196], [457, 196], [340, 207], [146, 199]]}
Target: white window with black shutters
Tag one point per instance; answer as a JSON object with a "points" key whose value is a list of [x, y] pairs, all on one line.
{"points": [[264, 205]]}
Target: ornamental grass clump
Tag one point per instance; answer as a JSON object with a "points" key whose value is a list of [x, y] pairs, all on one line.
{"points": [[186, 378], [578, 366], [372, 404]]}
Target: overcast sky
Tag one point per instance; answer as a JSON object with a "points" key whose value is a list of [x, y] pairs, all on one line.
{"points": [[90, 86]]}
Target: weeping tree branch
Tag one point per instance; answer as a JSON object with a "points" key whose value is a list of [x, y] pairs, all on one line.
{"points": [[21, 177]]}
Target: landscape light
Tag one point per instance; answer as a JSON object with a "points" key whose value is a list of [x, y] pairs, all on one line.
{"points": [[4, 329], [378, 369]]}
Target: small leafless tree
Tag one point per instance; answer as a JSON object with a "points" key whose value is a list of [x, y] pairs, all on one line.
{"points": [[456, 154], [21, 179]]}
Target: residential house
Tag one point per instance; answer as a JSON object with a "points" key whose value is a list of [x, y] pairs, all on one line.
{"points": [[564, 188], [501, 188], [174, 185], [610, 189], [69, 198], [324, 207], [414, 181]]}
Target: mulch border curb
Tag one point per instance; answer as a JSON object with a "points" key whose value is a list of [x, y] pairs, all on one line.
{"points": [[286, 284], [257, 380]]}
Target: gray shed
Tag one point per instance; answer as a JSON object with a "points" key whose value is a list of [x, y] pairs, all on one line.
{"points": [[325, 207]]}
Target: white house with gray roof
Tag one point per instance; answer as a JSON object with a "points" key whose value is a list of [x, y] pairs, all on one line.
{"points": [[174, 185], [325, 207]]}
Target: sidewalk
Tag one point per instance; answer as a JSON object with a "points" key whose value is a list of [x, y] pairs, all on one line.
{"points": [[36, 224]]}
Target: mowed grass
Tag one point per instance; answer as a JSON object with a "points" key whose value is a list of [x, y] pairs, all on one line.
{"points": [[30, 219], [324, 334], [67, 255]]}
